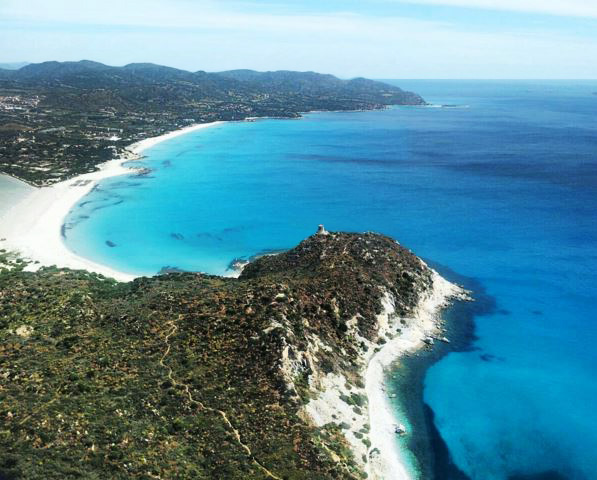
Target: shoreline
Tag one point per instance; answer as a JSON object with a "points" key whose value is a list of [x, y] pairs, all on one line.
{"points": [[426, 322], [406, 381], [32, 226], [382, 457]]}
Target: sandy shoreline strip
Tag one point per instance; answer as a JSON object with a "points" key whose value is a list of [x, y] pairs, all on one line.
{"points": [[382, 458], [12, 190], [390, 463], [32, 227]]}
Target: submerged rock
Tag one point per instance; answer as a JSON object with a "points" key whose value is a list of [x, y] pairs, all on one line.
{"points": [[237, 264], [400, 429], [168, 269]]}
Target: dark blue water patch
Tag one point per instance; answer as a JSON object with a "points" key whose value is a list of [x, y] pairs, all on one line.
{"points": [[482, 304], [106, 204], [125, 183], [209, 236], [222, 235], [444, 467], [434, 460], [342, 159], [186, 151], [488, 357], [102, 199], [548, 475], [72, 223], [238, 228], [584, 175]]}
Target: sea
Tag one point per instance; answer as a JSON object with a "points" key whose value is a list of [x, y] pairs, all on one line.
{"points": [[494, 183]]}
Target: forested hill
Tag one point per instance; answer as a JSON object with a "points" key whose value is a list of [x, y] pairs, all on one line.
{"points": [[314, 88], [86, 74], [319, 85], [61, 119]]}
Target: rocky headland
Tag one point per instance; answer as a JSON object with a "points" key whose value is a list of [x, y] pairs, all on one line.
{"points": [[276, 374]]}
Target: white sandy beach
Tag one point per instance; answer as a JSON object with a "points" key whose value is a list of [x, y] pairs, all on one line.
{"points": [[385, 459], [390, 463], [12, 191], [32, 227]]}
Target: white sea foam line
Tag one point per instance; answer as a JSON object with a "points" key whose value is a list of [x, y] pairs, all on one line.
{"points": [[32, 227]]}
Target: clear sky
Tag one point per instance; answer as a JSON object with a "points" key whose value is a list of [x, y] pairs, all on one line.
{"points": [[373, 38]]}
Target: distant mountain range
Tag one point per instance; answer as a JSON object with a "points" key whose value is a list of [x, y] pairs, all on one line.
{"points": [[320, 84], [171, 81], [60, 119]]}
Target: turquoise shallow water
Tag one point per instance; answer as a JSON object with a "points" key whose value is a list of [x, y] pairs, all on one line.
{"points": [[501, 187]]}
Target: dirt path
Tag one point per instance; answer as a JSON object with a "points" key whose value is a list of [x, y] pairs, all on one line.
{"points": [[187, 390]]}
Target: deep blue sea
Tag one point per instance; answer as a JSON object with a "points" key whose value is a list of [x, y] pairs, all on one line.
{"points": [[500, 186]]}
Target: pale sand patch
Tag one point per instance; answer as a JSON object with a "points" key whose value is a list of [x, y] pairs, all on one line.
{"points": [[32, 227], [12, 191], [24, 331]]}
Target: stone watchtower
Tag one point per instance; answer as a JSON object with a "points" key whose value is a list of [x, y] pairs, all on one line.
{"points": [[322, 231]]}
